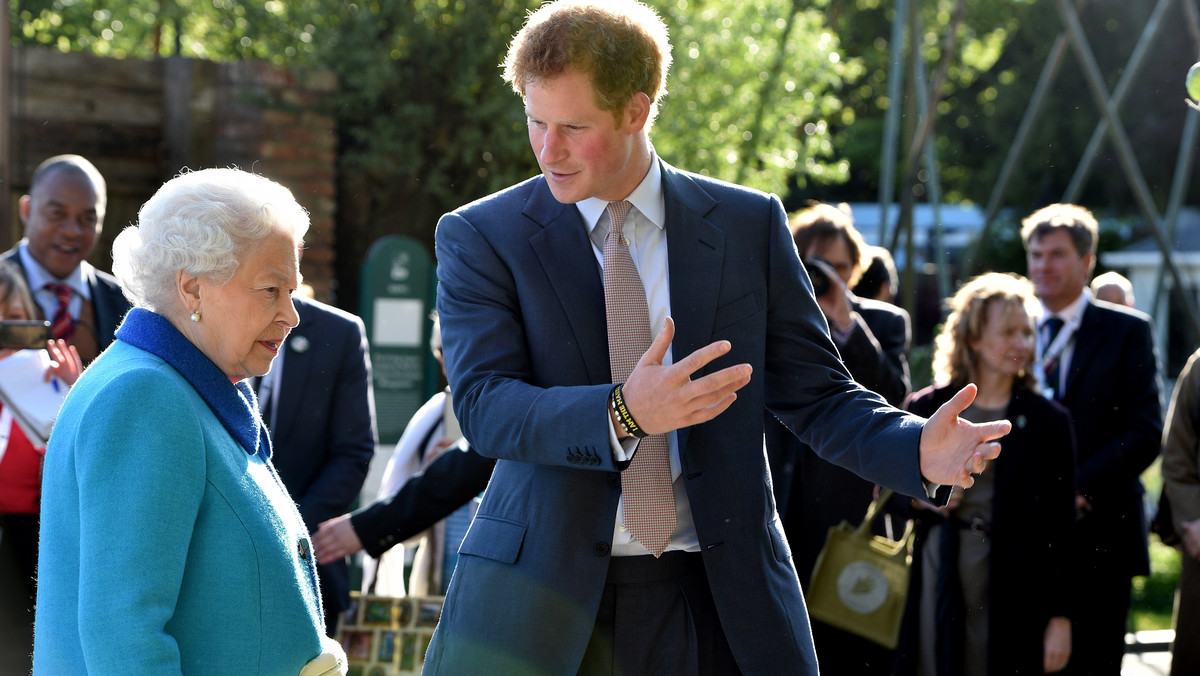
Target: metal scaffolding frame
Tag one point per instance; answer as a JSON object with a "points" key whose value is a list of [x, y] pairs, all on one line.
{"points": [[1162, 225]]}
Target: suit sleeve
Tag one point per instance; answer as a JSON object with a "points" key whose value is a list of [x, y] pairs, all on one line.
{"points": [[1181, 476], [809, 389], [489, 364], [1129, 453], [451, 480], [352, 433]]}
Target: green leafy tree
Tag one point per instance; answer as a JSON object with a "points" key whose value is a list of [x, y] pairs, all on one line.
{"points": [[427, 123]]}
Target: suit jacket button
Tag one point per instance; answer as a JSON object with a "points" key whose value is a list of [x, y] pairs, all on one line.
{"points": [[601, 549], [614, 480], [302, 548]]}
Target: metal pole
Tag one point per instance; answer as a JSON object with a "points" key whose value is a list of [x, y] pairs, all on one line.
{"points": [[1084, 169], [1124, 148], [891, 122], [1045, 81], [1183, 164]]}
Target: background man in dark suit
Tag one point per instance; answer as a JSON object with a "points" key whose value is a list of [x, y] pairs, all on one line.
{"points": [[550, 577], [813, 494], [63, 215], [318, 404], [1101, 364]]}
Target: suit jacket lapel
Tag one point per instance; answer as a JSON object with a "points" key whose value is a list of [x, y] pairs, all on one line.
{"points": [[294, 378], [567, 258], [695, 255], [1087, 341]]}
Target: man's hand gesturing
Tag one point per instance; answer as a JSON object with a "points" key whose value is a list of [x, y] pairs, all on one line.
{"points": [[665, 398]]}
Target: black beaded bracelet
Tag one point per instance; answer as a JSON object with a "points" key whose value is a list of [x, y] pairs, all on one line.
{"points": [[623, 416]]}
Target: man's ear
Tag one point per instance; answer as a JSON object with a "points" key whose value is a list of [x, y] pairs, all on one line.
{"points": [[23, 208], [187, 286], [637, 112]]}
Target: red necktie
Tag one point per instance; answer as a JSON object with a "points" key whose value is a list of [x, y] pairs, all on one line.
{"points": [[646, 484], [62, 325]]}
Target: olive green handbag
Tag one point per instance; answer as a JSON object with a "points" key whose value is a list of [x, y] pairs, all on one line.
{"points": [[860, 581]]}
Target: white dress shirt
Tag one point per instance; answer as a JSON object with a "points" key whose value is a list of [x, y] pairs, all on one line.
{"points": [[1072, 316], [38, 277], [645, 228]]}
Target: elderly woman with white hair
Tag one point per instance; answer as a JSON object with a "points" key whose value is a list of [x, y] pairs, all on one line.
{"points": [[168, 543]]}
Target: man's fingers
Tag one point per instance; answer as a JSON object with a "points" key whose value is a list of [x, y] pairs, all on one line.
{"points": [[703, 356], [658, 347], [994, 430], [961, 400]]}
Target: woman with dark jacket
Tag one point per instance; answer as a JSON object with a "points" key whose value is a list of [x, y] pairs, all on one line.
{"points": [[990, 590]]}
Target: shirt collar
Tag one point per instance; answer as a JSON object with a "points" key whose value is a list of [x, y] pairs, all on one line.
{"points": [[647, 198], [38, 276], [1071, 312]]}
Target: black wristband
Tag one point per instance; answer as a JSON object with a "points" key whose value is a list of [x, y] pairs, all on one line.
{"points": [[624, 418]]}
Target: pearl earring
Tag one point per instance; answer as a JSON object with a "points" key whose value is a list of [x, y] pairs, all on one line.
{"points": [[195, 316]]}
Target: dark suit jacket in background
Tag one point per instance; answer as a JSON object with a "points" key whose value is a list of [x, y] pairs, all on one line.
{"points": [[1112, 393], [453, 478], [521, 304], [324, 434], [1032, 535], [108, 301]]}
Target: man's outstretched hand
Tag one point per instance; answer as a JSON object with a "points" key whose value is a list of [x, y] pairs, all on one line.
{"points": [[953, 449], [665, 398]]}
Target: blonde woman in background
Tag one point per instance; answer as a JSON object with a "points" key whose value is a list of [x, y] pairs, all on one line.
{"points": [[991, 586]]}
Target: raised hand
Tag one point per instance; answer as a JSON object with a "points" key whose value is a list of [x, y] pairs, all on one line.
{"points": [[64, 362], [953, 449], [665, 398]]}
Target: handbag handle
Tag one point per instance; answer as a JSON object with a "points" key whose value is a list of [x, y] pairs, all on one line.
{"points": [[885, 546]]}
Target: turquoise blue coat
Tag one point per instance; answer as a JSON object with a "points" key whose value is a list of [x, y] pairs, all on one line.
{"points": [[168, 544]]}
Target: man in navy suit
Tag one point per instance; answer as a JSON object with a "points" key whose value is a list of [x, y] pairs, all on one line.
{"points": [[319, 406], [63, 215], [550, 579], [1101, 364]]}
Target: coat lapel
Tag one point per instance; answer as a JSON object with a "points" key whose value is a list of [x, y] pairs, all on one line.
{"points": [[1087, 341], [296, 365], [565, 252], [695, 259]]}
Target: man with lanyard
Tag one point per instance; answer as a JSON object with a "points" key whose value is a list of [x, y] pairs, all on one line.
{"points": [[1098, 360]]}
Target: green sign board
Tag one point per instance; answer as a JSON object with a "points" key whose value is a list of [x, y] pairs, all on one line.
{"points": [[396, 303]]}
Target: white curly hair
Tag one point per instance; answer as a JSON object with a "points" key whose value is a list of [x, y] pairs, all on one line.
{"points": [[204, 223]]}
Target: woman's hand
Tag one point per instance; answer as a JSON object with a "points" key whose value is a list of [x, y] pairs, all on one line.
{"points": [[65, 363], [1057, 645]]}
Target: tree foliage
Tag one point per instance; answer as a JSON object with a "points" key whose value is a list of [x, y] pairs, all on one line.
{"points": [[427, 123]]}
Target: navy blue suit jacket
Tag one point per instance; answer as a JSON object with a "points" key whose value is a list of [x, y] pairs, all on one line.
{"points": [[521, 305], [324, 434]]}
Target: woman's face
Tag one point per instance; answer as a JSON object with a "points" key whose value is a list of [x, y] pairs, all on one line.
{"points": [[13, 308], [244, 322], [1005, 346]]}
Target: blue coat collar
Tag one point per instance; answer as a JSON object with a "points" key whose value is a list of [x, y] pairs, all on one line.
{"points": [[234, 405]]}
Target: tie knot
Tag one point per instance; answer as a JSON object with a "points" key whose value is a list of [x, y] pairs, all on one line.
{"points": [[617, 211], [61, 291], [1054, 324]]}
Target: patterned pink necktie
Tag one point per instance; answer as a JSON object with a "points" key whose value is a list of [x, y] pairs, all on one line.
{"points": [[646, 484], [62, 325]]}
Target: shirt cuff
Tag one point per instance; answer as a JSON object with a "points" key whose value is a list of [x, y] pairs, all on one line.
{"points": [[622, 450]]}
